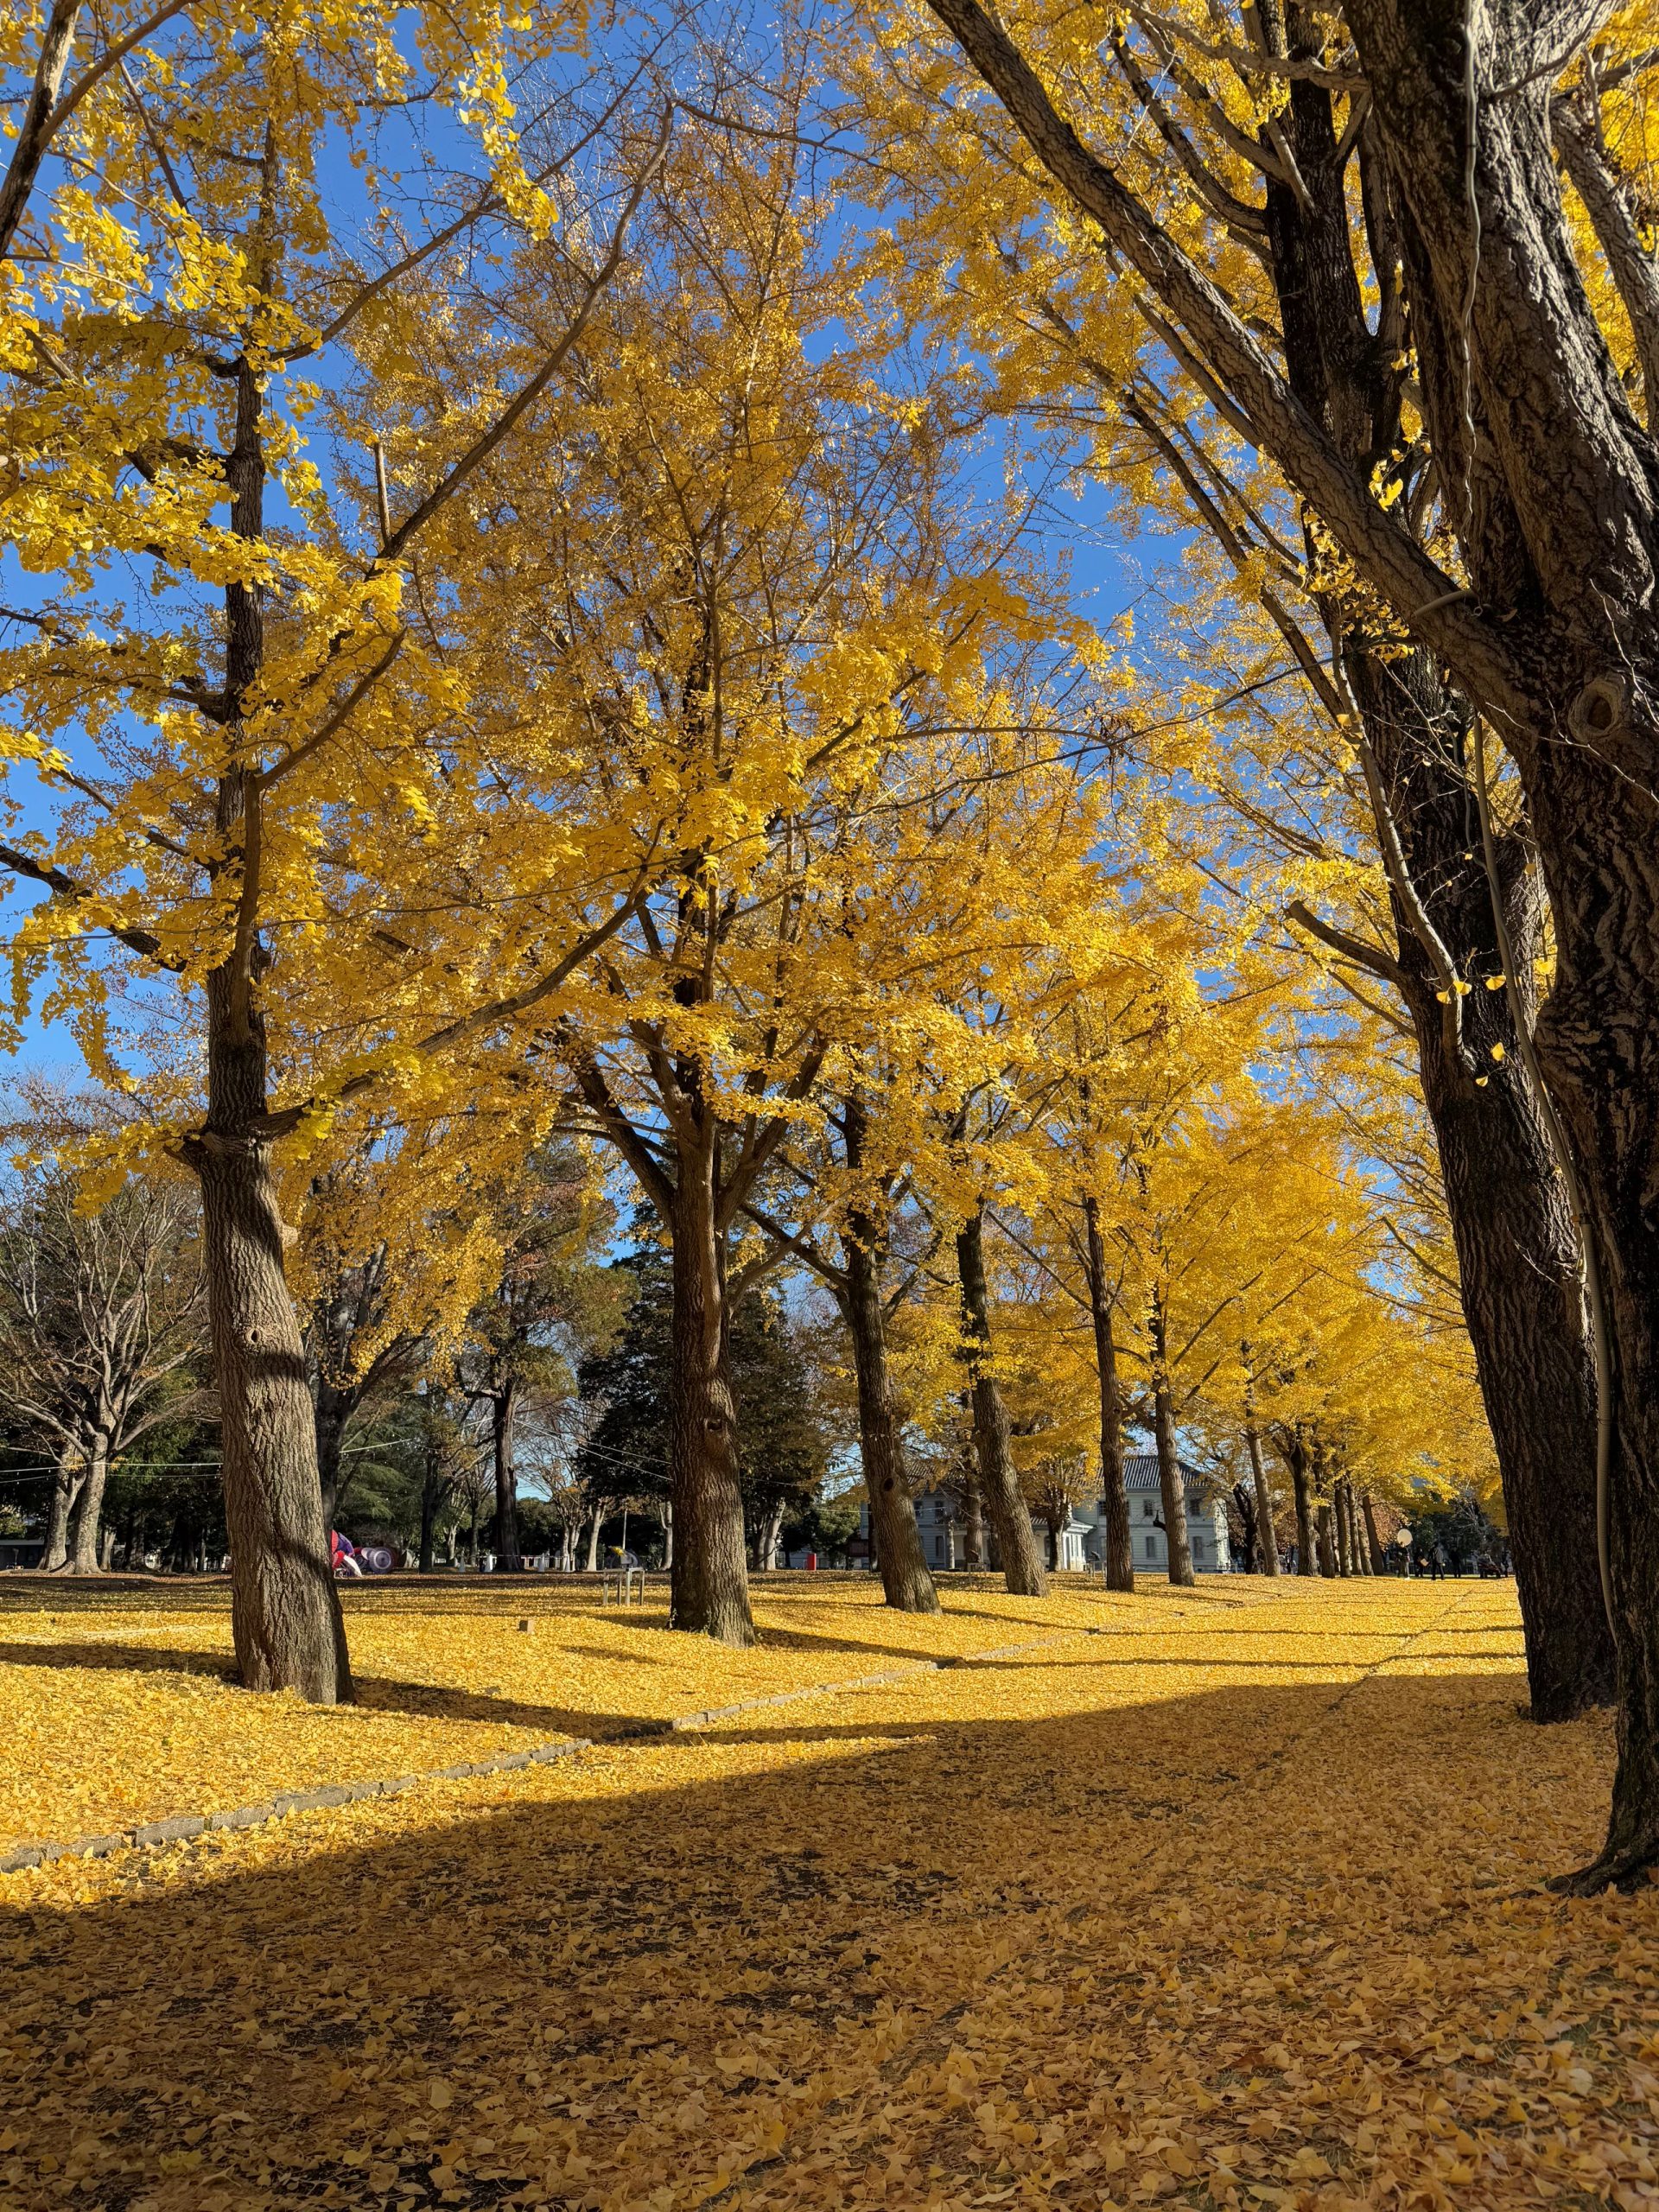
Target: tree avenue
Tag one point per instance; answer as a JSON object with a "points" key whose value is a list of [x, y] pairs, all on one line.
{"points": [[574, 655], [1476, 491]]}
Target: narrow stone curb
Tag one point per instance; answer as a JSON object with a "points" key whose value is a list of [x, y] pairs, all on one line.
{"points": [[182, 1827], [687, 1720]]}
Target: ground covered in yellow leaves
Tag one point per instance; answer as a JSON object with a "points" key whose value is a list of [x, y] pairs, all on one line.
{"points": [[1233, 1903], [445, 1673]]}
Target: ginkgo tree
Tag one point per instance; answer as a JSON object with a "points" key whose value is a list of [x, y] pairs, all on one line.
{"points": [[243, 736]]}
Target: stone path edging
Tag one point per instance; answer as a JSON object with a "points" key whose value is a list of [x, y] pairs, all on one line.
{"points": [[183, 1827]]}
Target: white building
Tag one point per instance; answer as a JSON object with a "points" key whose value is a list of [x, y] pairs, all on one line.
{"points": [[1081, 1542]]}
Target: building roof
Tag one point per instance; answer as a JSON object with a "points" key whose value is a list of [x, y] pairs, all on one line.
{"points": [[1141, 1472]]}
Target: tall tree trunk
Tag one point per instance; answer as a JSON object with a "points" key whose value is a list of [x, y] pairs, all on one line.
{"points": [[1328, 1546], [999, 1482], [1114, 1498], [772, 1536], [1295, 1450], [668, 1536], [1356, 1522], [1170, 1483], [84, 1559], [429, 1523], [1268, 1540], [906, 1585], [1527, 1321], [596, 1523], [1244, 1505], [285, 1616], [66, 1489], [1345, 1534], [503, 1528], [709, 1585], [973, 1524]]}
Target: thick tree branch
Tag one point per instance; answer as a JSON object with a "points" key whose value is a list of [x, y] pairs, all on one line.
{"points": [[34, 133], [61, 886], [1362, 955]]}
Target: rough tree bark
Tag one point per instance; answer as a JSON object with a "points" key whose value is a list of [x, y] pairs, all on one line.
{"points": [[1328, 1546], [83, 1553], [1170, 1482], [66, 1489], [1295, 1450], [1517, 1249], [708, 1582], [1269, 1542], [504, 1527], [1114, 1498], [1378, 1552], [973, 1523], [906, 1585], [285, 1616], [999, 1482]]}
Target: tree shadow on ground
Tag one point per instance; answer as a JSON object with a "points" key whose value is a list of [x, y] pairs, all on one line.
{"points": [[627, 1965], [375, 1693]]}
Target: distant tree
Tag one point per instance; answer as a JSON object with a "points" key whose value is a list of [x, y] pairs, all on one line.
{"points": [[101, 1320], [782, 1448], [349, 1357], [552, 1299]]}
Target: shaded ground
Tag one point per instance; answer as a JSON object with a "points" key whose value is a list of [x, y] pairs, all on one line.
{"points": [[1234, 1906]]}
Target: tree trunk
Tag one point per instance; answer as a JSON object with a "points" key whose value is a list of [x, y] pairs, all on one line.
{"points": [[596, 1522], [1356, 1526], [429, 1524], [709, 1585], [668, 1536], [973, 1524], [89, 1510], [1295, 1451], [285, 1616], [999, 1482], [1327, 1547], [1244, 1505], [1170, 1480], [1518, 1250], [504, 1527], [1268, 1540], [1114, 1499], [66, 1489], [772, 1536], [1345, 1534], [906, 1585]]}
